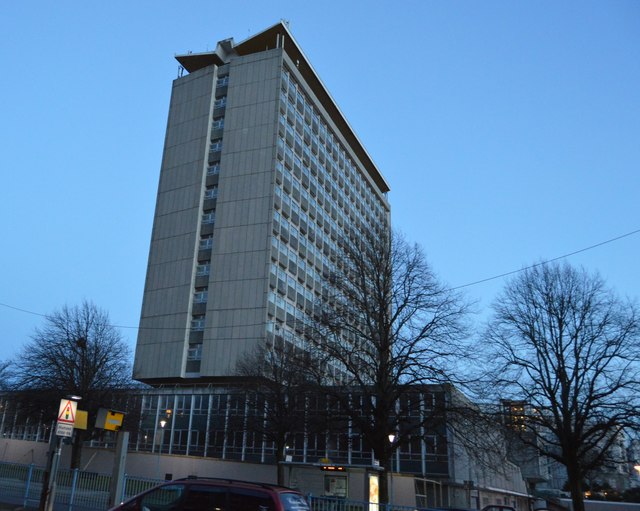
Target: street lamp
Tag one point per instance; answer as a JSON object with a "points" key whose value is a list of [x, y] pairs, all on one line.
{"points": [[392, 438], [163, 423]]}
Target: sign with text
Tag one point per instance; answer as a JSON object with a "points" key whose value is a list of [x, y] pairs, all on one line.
{"points": [[64, 429]]}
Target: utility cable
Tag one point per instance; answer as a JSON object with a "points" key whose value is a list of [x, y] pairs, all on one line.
{"points": [[542, 263], [474, 283]]}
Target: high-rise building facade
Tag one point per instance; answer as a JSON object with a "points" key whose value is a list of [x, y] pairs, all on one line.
{"points": [[261, 177]]}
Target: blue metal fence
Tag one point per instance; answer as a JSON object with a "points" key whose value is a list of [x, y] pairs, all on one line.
{"points": [[74, 490], [337, 504]]}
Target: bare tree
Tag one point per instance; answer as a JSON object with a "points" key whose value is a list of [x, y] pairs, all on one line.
{"points": [[5, 374], [567, 347], [76, 352], [386, 328], [276, 382]]}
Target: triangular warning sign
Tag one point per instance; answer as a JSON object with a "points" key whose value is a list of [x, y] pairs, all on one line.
{"points": [[66, 413]]}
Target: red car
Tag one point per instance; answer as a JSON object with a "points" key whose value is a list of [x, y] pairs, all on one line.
{"points": [[200, 494]]}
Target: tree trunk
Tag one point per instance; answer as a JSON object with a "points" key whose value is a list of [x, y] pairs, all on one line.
{"points": [[280, 458], [575, 486], [383, 486], [280, 464]]}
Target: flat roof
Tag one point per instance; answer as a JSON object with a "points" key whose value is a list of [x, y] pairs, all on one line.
{"points": [[194, 61]]}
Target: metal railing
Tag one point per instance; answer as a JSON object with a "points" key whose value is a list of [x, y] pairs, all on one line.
{"points": [[339, 504], [75, 490], [21, 485]]}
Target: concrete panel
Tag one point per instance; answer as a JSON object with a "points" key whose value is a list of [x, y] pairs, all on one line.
{"points": [[183, 175], [172, 249], [161, 358], [177, 223], [167, 301], [178, 199], [170, 274]]}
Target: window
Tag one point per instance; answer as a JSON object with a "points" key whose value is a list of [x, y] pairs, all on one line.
{"points": [[209, 217], [201, 295], [222, 81], [195, 351], [206, 242], [203, 269], [218, 103], [211, 192], [214, 169], [242, 499], [216, 145], [205, 497], [163, 497], [197, 323], [218, 123]]}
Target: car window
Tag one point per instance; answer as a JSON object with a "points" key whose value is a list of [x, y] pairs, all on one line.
{"points": [[165, 498], [205, 498], [241, 499], [294, 502]]}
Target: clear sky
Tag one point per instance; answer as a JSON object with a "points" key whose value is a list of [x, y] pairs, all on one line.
{"points": [[509, 132]]}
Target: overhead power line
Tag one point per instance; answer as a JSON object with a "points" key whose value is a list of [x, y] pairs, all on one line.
{"points": [[546, 261], [474, 283]]}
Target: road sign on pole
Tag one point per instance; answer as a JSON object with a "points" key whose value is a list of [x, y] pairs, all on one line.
{"points": [[67, 411], [64, 429]]}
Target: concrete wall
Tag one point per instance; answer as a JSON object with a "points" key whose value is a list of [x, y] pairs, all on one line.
{"points": [[142, 464], [309, 479], [21, 451], [236, 310], [238, 282], [165, 317]]}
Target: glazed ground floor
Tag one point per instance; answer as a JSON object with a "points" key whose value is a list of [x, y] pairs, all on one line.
{"points": [[215, 432]]}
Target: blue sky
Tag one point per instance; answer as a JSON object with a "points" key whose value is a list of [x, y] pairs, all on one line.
{"points": [[509, 132]]}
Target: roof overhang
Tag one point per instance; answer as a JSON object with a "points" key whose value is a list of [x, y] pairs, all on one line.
{"points": [[194, 61]]}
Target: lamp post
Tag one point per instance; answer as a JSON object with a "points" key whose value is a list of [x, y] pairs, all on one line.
{"points": [[392, 438], [163, 423]]}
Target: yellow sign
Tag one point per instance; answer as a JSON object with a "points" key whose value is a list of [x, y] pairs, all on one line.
{"points": [[114, 421], [109, 419], [82, 418]]}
